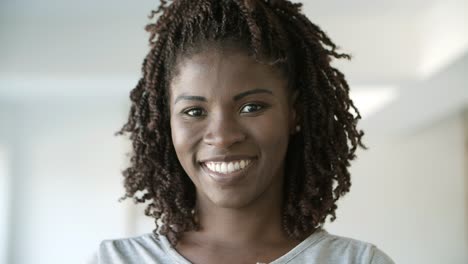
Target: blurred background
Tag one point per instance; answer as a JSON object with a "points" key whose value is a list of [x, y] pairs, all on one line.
{"points": [[66, 69]]}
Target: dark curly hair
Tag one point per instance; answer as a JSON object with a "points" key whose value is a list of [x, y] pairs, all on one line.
{"points": [[272, 32]]}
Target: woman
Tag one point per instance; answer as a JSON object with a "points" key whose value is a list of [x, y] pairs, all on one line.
{"points": [[240, 131]]}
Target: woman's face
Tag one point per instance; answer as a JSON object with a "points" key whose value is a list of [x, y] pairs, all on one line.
{"points": [[230, 119]]}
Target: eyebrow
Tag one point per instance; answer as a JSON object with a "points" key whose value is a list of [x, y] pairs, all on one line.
{"points": [[235, 98], [190, 97], [249, 92]]}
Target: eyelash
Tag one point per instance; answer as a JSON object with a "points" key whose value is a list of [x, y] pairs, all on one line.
{"points": [[259, 106], [186, 112]]}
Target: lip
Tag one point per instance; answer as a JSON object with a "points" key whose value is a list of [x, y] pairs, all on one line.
{"points": [[226, 158], [228, 178]]}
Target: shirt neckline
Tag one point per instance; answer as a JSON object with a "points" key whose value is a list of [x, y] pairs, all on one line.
{"points": [[306, 243]]}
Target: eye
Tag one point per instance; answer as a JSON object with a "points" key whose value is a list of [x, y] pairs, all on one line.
{"points": [[194, 112], [250, 108]]}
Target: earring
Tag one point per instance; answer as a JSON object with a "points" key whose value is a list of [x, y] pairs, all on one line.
{"points": [[298, 128], [195, 215]]}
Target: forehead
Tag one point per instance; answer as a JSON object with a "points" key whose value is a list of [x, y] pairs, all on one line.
{"points": [[227, 70]]}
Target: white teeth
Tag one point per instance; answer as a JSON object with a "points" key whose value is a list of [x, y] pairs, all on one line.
{"points": [[227, 167], [230, 167]]}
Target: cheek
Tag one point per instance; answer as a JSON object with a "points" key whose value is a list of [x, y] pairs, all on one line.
{"points": [[184, 139], [272, 134]]}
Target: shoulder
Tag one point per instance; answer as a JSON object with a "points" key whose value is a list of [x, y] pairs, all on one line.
{"points": [[330, 248], [146, 241], [146, 248]]}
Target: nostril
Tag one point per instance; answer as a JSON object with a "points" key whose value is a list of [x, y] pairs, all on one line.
{"points": [[224, 138]]}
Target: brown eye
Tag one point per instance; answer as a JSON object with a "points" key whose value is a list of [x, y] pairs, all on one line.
{"points": [[194, 112], [250, 108]]}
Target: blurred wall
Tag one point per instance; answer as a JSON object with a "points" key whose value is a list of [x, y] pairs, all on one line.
{"points": [[66, 179], [6, 150], [409, 196]]}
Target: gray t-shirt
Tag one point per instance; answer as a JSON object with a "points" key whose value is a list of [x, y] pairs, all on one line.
{"points": [[320, 247]]}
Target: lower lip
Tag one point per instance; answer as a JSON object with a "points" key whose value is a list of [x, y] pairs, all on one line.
{"points": [[228, 178]]}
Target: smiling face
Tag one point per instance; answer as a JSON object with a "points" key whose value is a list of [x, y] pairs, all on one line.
{"points": [[231, 119]]}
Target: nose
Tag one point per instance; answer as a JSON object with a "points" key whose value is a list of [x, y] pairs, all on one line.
{"points": [[223, 132]]}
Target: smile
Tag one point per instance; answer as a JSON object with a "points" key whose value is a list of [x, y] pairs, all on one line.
{"points": [[227, 173], [227, 167]]}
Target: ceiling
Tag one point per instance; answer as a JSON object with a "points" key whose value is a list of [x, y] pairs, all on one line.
{"points": [[127, 9], [89, 38]]}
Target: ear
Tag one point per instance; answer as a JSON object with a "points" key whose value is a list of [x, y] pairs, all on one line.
{"points": [[296, 109]]}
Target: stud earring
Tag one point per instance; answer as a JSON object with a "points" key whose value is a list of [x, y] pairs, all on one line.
{"points": [[298, 128]]}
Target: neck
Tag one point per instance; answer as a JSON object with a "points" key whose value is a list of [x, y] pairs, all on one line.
{"points": [[257, 222]]}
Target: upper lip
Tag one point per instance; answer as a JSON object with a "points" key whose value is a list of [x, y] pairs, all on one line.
{"points": [[227, 158]]}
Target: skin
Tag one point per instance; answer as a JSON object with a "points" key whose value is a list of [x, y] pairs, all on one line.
{"points": [[207, 120]]}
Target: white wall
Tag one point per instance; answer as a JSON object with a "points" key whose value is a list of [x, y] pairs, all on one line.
{"points": [[67, 180], [4, 202], [443, 35], [409, 196], [7, 128]]}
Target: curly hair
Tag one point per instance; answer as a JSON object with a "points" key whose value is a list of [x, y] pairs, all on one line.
{"points": [[277, 33]]}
